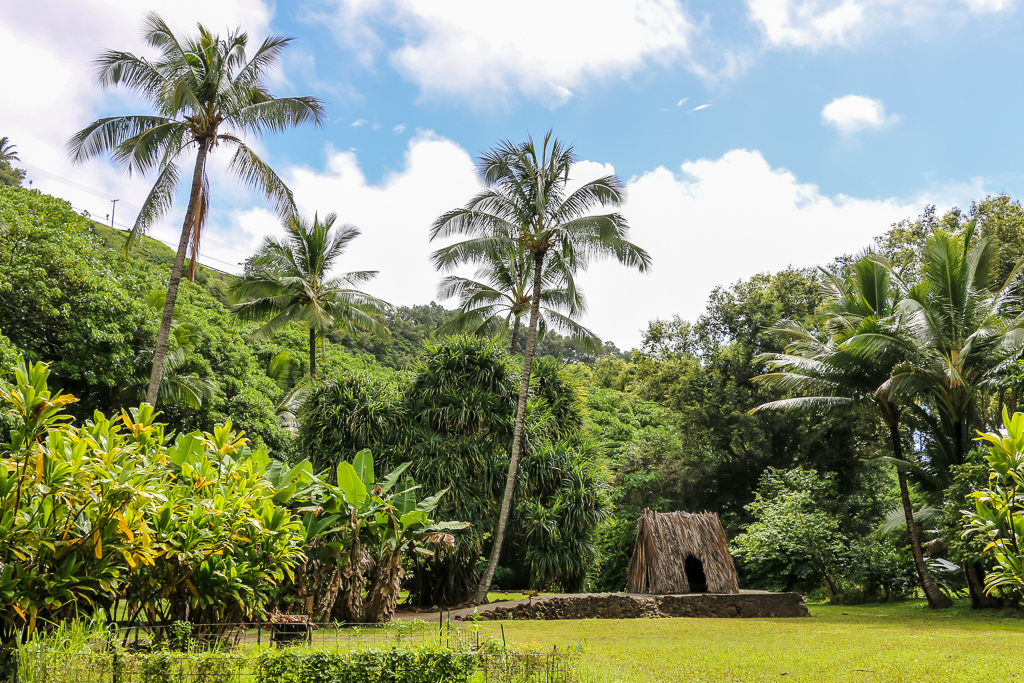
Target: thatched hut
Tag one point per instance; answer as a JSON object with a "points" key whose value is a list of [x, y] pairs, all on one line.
{"points": [[681, 552]]}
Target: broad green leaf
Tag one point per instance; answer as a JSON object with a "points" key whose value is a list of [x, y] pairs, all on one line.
{"points": [[351, 485], [405, 500], [389, 481], [428, 504], [363, 463]]}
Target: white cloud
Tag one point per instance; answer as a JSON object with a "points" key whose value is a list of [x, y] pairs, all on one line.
{"points": [[52, 94], [710, 223], [719, 220], [394, 215], [682, 102], [451, 47], [700, 107], [820, 23], [853, 113], [982, 6], [399, 129], [358, 122]]}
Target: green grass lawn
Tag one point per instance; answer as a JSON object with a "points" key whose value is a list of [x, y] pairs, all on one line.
{"points": [[898, 642]]}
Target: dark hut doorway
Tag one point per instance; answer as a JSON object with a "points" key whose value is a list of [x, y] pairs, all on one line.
{"points": [[694, 569]]}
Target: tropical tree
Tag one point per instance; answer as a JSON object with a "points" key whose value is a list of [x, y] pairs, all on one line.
{"points": [[206, 93], [496, 301], [289, 280], [960, 329], [526, 207], [830, 374], [965, 327]]}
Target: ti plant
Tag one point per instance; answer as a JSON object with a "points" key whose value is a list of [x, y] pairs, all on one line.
{"points": [[998, 515], [73, 504]]}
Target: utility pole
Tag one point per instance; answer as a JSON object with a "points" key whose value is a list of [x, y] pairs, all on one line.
{"points": [[113, 203]]}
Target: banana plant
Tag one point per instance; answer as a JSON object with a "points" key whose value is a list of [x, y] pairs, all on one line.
{"points": [[397, 523]]}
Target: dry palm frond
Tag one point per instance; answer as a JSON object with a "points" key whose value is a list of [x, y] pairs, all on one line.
{"points": [[664, 541]]}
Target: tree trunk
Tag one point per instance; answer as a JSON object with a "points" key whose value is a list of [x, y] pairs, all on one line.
{"points": [[936, 598], [517, 438], [312, 353], [348, 603], [514, 346], [959, 447], [163, 336], [974, 573], [384, 594]]}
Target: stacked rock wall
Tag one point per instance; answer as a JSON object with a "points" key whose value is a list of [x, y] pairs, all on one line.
{"points": [[746, 604]]}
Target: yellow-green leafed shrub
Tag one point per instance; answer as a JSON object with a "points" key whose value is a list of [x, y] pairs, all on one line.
{"points": [[997, 515], [110, 517]]}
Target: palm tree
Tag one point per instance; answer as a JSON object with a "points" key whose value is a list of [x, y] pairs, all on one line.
{"points": [[176, 388], [8, 152], [833, 374], [963, 329], [965, 326], [205, 93], [526, 208], [497, 300], [289, 281]]}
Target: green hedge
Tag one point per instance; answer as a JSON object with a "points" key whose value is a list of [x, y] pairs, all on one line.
{"points": [[426, 665]]}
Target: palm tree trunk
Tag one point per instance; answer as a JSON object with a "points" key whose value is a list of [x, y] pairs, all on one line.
{"points": [[163, 336], [517, 438], [936, 598], [959, 447], [312, 353], [515, 336]]}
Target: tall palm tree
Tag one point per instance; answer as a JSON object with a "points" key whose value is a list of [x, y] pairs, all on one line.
{"points": [[962, 328], [8, 152], [830, 374], [206, 93], [966, 328], [289, 280], [496, 301], [526, 208]]}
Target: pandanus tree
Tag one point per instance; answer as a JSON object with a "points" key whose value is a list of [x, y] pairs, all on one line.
{"points": [[289, 280], [526, 207], [206, 93], [495, 302], [829, 373]]}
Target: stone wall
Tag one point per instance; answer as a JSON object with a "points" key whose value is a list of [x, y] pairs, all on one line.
{"points": [[635, 606]]}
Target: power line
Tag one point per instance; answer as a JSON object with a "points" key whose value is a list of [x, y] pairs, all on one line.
{"points": [[127, 205], [66, 181], [121, 227]]}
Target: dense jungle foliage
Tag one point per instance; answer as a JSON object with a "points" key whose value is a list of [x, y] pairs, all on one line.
{"points": [[811, 500]]}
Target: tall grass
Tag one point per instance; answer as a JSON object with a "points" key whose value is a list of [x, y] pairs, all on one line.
{"points": [[74, 650]]}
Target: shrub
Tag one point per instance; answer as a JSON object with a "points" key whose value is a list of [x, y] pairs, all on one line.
{"points": [[425, 665]]}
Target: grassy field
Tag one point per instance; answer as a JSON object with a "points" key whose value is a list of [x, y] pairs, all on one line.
{"points": [[900, 643]]}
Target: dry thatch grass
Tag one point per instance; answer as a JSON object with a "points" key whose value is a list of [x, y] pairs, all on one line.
{"points": [[663, 542]]}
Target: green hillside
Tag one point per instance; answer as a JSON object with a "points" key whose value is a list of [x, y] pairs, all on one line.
{"points": [[215, 282]]}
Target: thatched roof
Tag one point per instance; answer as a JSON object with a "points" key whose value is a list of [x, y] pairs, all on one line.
{"points": [[663, 542]]}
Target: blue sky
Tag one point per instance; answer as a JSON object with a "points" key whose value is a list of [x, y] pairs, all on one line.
{"points": [[752, 134]]}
